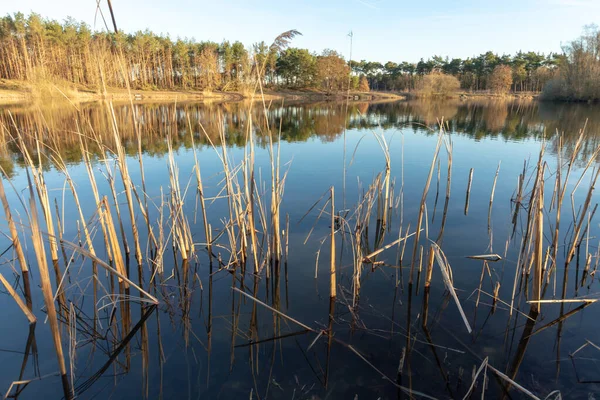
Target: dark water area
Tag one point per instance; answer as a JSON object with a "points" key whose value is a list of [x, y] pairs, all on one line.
{"points": [[206, 340]]}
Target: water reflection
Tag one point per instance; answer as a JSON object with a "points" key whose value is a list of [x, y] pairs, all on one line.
{"points": [[509, 120], [221, 328]]}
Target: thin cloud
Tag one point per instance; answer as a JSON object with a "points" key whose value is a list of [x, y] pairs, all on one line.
{"points": [[370, 4], [577, 3]]}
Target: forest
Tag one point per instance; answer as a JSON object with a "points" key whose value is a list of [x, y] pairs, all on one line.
{"points": [[33, 48]]}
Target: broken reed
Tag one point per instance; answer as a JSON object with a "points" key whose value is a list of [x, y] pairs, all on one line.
{"points": [[468, 195]]}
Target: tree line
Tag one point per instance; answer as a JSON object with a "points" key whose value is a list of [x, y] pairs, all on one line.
{"points": [[529, 71], [32, 48]]}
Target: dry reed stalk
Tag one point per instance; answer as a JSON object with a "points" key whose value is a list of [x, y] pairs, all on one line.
{"points": [[127, 184], [14, 234], [111, 183], [420, 269], [429, 271], [158, 260], [539, 241], [526, 243], [449, 148], [468, 191], [519, 195], [228, 185], [179, 230], [287, 237], [143, 207], [250, 188], [398, 276], [63, 168], [368, 258], [332, 288], [422, 204], [562, 317], [496, 295], [386, 180], [18, 300], [276, 193], [359, 259], [448, 281], [483, 269], [72, 329], [561, 301], [92, 179], [40, 253], [578, 228], [421, 259], [491, 204], [486, 257], [42, 190], [113, 240], [329, 338], [145, 296], [200, 193], [120, 267]]}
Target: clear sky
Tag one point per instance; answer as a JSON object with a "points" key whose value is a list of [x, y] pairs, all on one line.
{"points": [[384, 30]]}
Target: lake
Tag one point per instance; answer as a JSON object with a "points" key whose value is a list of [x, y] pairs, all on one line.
{"points": [[288, 250]]}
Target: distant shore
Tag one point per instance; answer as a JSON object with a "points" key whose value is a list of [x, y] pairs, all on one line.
{"points": [[12, 92]]}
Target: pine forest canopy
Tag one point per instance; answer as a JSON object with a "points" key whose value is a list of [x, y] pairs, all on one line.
{"points": [[33, 48]]}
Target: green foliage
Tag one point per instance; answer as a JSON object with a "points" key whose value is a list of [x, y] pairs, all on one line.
{"points": [[296, 68], [354, 82]]}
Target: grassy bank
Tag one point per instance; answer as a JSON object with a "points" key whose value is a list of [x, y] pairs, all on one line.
{"points": [[13, 91]]}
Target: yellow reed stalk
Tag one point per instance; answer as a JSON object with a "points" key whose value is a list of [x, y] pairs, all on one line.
{"points": [[127, 184], [332, 289], [429, 271], [18, 300], [539, 251], [40, 253], [42, 190], [114, 241], [13, 230]]}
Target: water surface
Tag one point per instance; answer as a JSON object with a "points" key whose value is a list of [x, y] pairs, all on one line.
{"points": [[205, 340]]}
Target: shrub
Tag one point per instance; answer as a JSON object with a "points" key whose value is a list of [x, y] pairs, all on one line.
{"points": [[363, 84], [439, 84], [501, 79]]}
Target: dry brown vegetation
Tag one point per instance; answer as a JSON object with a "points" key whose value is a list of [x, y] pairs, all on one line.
{"points": [[501, 79], [579, 73], [438, 84]]}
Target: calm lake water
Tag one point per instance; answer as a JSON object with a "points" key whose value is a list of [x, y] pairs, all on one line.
{"points": [[205, 340]]}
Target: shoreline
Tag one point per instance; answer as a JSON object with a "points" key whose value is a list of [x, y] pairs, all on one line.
{"points": [[17, 92]]}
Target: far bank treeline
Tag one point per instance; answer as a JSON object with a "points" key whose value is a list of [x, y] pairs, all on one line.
{"points": [[33, 48]]}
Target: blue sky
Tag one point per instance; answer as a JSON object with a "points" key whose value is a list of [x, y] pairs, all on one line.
{"points": [[396, 30]]}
